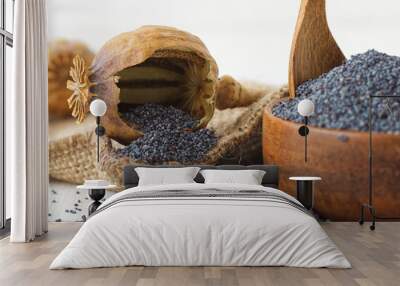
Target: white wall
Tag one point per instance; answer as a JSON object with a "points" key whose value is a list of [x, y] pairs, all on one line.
{"points": [[249, 39]]}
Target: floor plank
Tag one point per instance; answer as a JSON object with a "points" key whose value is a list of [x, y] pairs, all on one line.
{"points": [[375, 257]]}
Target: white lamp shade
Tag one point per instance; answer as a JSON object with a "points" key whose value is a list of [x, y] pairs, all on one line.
{"points": [[98, 107], [305, 107]]}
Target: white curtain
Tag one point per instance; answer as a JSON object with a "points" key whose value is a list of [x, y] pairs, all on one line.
{"points": [[27, 123]]}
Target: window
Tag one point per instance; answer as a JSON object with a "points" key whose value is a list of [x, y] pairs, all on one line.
{"points": [[6, 43]]}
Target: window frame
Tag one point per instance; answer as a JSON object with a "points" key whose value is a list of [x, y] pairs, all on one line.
{"points": [[6, 39]]}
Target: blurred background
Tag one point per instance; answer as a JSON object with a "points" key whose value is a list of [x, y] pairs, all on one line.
{"points": [[249, 39]]}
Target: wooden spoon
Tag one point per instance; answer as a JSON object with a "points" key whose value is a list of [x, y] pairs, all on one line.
{"points": [[314, 50]]}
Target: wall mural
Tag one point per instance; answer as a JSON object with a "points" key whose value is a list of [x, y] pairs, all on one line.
{"points": [[168, 104], [165, 105]]}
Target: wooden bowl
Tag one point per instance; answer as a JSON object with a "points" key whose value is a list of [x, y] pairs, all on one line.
{"points": [[340, 157]]}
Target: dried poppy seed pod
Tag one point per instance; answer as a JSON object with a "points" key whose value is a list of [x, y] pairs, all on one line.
{"points": [[153, 64], [231, 93], [79, 101], [60, 57]]}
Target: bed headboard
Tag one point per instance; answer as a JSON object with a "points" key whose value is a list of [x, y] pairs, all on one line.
{"points": [[271, 177]]}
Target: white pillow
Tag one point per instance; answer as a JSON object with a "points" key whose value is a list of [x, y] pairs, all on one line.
{"points": [[163, 176], [248, 177]]}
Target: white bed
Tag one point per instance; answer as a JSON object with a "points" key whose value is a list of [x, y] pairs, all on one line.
{"points": [[205, 230]]}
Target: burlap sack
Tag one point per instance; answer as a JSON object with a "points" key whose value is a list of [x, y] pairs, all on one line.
{"points": [[73, 156], [239, 139], [72, 151]]}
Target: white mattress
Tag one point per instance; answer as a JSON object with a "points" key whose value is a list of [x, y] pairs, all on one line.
{"points": [[200, 231]]}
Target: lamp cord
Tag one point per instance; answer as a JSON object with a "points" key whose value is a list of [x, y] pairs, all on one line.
{"points": [[305, 138], [98, 138]]}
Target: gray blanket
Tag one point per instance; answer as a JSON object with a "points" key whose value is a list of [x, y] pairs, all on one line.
{"points": [[206, 194]]}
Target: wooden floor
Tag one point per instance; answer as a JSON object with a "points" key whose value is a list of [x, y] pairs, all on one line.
{"points": [[375, 257]]}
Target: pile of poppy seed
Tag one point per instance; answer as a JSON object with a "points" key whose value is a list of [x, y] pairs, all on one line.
{"points": [[170, 134], [341, 96]]}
